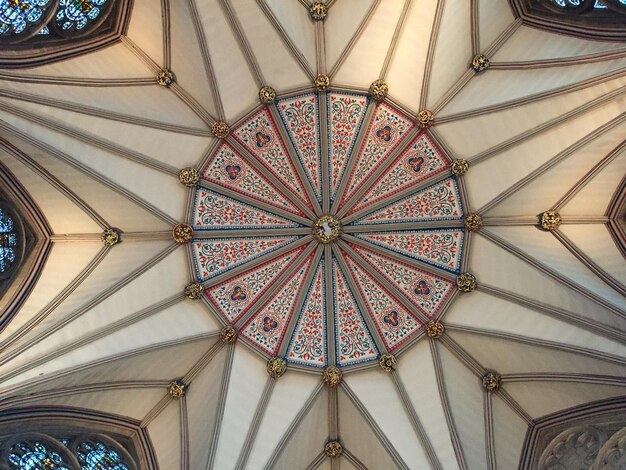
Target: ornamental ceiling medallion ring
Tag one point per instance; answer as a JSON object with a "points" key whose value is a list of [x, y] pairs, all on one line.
{"points": [[384, 187], [327, 229]]}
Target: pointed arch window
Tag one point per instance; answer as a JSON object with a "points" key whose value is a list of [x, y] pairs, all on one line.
{"points": [[11, 241]]}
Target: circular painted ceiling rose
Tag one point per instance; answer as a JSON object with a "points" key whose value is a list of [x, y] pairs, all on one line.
{"points": [[375, 188]]}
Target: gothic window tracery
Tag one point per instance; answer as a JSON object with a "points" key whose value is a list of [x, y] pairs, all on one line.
{"points": [[35, 451], [10, 242]]}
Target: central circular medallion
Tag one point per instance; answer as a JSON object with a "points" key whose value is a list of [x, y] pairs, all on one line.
{"points": [[327, 229]]}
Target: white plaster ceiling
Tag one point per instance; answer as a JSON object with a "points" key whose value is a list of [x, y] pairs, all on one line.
{"points": [[540, 310]]}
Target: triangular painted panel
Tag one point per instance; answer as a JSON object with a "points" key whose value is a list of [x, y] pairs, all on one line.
{"points": [[353, 340], [394, 322], [438, 247], [233, 297], [308, 343], [212, 211], [345, 116], [441, 201], [213, 257], [421, 160], [230, 170], [427, 291], [385, 132], [260, 136], [268, 326], [300, 114]]}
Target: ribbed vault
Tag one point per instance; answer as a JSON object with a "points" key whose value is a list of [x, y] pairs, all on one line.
{"points": [[97, 143]]}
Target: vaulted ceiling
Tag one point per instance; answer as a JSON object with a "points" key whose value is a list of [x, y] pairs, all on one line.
{"points": [[98, 143]]}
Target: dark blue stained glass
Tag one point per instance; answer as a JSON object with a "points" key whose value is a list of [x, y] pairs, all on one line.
{"points": [[76, 14], [8, 242], [17, 15], [35, 456], [98, 456]]}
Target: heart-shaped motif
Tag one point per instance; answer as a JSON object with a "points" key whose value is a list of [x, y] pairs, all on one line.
{"points": [[384, 133], [415, 163], [238, 294], [391, 318], [269, 324], [233, 171], [262, 139], [422, 288]]}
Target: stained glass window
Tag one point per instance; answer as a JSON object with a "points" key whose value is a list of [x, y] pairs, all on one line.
{"points": [[8, 242], [17, 15], [97, 456], [74, 15], [35, 455]]}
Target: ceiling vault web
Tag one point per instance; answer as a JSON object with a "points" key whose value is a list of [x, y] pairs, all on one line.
{"points": [[558, 158], [470, 73], [577, 320], [97, 299], [539, 343], [53, 180], [417, 425], [394, 40], [445, 404], [428, 65], [474, 366], [206, 57], [94, 141], [100, 333], [474, 28], [243, 43], [287, 41], [357, 34], [346, 252], [380, 435], [533, 98], [552, 273], [546, 126]]}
